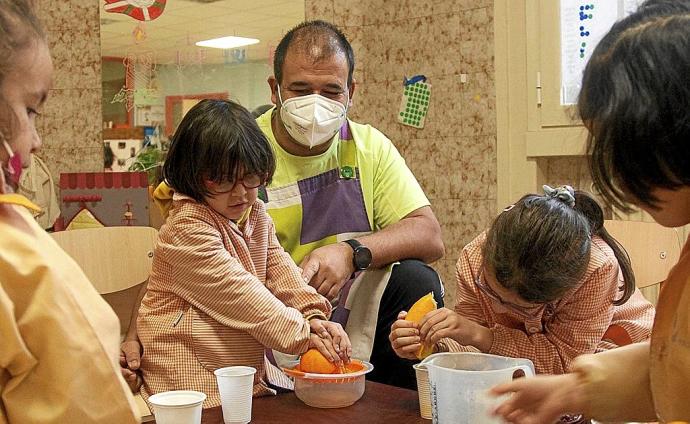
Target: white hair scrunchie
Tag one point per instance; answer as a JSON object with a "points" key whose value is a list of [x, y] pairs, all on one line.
{"points": [[564, 193]]}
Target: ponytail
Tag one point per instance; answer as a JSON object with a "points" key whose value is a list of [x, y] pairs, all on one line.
{"points": [[590, 209]]}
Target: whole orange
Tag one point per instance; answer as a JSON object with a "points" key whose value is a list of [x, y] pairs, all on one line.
{"points": [[314, 361]]}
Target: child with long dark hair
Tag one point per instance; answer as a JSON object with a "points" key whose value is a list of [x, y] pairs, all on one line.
{"points": [[222, 291], [546, 282], [635, 102]]}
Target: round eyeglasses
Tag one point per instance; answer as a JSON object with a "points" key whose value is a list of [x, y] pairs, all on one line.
{"points": [[249, 181], [520, 310]]}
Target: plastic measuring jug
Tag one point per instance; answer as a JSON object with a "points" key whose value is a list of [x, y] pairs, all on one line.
{"points": [[460, 383]]}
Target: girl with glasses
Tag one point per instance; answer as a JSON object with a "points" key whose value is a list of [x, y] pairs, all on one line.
{"points": [[546, 282], [222, 291]]}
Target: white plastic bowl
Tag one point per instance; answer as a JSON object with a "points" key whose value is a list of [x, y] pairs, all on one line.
{"points": [[329, 390]]}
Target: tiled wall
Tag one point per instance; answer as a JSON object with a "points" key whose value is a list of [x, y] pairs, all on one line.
{"points": [[571, 170], [454, 156], [71, 123]]}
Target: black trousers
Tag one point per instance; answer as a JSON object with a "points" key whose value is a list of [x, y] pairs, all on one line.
{"points": [[409, 281]]}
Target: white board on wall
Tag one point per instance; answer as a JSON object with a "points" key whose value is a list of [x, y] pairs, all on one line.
{"points": [[583, 24]]}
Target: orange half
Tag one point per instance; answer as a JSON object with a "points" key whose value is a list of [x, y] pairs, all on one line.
{"points": [[420, 308]]}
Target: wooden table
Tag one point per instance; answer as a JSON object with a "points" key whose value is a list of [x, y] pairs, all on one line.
{"points": [[379, 404]]}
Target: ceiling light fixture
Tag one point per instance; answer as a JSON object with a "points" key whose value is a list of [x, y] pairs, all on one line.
{"points": [[230, 42]]}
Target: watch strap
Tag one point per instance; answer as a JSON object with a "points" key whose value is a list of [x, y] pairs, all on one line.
{"points": [[354, 244]]}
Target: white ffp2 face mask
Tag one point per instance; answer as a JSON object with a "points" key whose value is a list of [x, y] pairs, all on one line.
{"points": [[312, 120]]}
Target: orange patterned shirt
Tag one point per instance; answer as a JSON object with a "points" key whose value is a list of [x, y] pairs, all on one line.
{"points": [[219, 296], [557, 333]]}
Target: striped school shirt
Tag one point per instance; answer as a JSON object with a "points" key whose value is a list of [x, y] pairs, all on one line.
{"points": [[557, 333], [219, 296]]}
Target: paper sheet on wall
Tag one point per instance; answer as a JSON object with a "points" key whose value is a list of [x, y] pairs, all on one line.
{"points": [[583, 24], [415, 101]]}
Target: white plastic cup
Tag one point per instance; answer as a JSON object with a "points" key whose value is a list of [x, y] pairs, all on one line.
{"points": [[423, 390], [236, 385], [177, 407]]}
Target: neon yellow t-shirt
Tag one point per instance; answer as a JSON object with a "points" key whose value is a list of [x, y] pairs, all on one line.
{"points": [[360, 185]]}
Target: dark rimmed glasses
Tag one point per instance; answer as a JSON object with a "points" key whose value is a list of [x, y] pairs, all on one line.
{"points": [[248, 181], [520, 310]]}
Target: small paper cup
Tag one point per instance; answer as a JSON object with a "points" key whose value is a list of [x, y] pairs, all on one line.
{"points": [[236, 385], [177, 407], [423, 390]]}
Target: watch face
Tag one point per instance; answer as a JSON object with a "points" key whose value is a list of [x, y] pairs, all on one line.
{"points": [[362, 256]]}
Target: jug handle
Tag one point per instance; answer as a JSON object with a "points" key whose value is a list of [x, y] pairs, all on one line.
{"points": [[526, 369]]}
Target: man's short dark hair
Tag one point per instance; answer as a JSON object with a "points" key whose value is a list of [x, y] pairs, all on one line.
{"points": [[307, 34]]}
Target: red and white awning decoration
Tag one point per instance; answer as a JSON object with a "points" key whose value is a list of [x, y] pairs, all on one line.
{"points": [[142, 10]]}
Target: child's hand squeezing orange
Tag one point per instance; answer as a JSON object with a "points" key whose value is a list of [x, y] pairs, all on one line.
{"points": [[331, 340]]}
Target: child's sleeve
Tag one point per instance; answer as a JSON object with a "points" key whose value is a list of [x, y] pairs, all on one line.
{"points": [[207, 276], [51, 361], [466, 301], [616, 384], [284, 280]]}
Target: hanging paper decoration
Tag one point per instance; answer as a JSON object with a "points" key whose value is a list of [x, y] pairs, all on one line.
{"points": [[188, 54], [126, 96], [139, 33], [139, 76], [415, 101], [141, 10], [234, 56]]}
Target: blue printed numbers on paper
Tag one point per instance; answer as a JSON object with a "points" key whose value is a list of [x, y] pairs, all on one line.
{"points": [[585, 14]]}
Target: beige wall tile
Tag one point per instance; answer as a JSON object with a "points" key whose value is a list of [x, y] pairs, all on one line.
{"points": [[565, 170], [355, 35], [446, 269], [455, 6], [444, 116], [319, 9], [71, 124], [387, 11], [476, 217], [478, 108], [476, 27], [73, 159], [61, 51], [445, 44], [350, 13]]}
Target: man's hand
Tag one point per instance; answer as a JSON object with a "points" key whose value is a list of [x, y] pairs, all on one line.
{"points": [[328, 268], [404, 337], [130, 359], [331, 340], [446, 323]]}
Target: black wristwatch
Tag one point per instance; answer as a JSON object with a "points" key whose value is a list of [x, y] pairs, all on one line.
{"points": [[361, 256]]}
